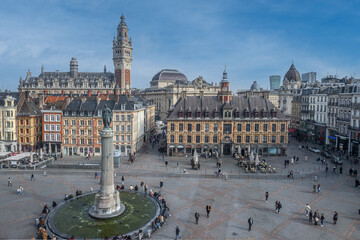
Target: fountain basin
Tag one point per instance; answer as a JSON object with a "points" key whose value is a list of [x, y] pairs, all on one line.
{"points": [[71, 218]]}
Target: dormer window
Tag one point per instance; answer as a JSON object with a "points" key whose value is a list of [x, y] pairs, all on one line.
{"points": [[256, 114], [246, 113], [181, 114], [274, 114], [237, 114], [189, 114], [89, 113], [198, 114], [66, 113], [73, 113], [206, 114], [216, 114], [82, 113], [264, 114]]}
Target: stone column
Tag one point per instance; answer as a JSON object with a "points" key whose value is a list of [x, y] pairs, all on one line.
{"points": [[107, 201]]}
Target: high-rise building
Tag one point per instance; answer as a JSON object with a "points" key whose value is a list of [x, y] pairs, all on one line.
{"points": [[309, 77], [275, 81]]}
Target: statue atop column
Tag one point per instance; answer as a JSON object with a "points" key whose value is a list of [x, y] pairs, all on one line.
{"points": [[107, 116]]}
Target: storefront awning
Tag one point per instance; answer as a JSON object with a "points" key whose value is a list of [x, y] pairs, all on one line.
{"points": [[292, 130]]}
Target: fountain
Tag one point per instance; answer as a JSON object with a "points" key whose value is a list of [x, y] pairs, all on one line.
{"points": [[107, 216]]}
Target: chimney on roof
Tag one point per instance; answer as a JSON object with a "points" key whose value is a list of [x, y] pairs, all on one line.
{"points": [[42, 68], [28, 74]]}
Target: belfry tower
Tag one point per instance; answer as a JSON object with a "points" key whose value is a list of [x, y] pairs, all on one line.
{"points": [[122, 57], [224, 94]]}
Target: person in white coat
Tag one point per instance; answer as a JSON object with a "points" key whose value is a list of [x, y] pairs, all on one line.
{"points": [[307, 209]]}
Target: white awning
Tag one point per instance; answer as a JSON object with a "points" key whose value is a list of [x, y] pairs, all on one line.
{"points": [[17, 157]]}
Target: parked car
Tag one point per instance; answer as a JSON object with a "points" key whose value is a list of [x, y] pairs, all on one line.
{"points": [[336, 160], [325, 154], [315, 150]]}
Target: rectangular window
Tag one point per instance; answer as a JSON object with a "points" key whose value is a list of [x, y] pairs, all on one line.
{"points": [[66, 141], [122, 118], [66, 132], [58, 137], [227, 128], [74, 141], [215, 127], [82, 141], [197, 139], [206, 139], [248, 127], [128, 128], [58, 118], [206, 127], [46, 127], [181, 139], [215, 139], [73, 132], [172, 127], [89, 141], [282, 127], [46, 117], [273, 139], [122, 128], [189, 127], [52, 137], [256, 127], [274, 127], [181, 127], [82, 132], [247, 139], [89, 122], [117, 138], [99, 123], [198, 127], [46, 137], [172, 138], [57, 127], [239, 127], [264, 139], [238, 139], [52, 118], [128, 118], [188, 139], [123, 138], [89, 132], [265, 127], [66, 122], [117, 118], [128, 138], [82, 123], [256, 139], [282, 139], [52, 127], [73, 122], [117, 127]]}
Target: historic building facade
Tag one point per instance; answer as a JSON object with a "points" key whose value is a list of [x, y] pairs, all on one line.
{"points": [[29, 124], [8, 111], [290, 88], [75, 82], [167, 86], [52, 130], [226, 124]]}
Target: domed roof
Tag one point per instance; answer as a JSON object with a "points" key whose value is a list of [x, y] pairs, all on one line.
{"points": [[292, 75], [255, 87], [169, 75]]}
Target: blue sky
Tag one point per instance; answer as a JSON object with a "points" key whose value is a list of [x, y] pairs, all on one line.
{"points": [[254, 38]]}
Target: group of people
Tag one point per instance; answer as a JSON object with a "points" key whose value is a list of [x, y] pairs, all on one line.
{"points": [[316, 216], [316, 189], [40, 223], [197, 214]]}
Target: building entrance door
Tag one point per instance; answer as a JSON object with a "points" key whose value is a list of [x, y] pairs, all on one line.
{"points": [[227, 149]]}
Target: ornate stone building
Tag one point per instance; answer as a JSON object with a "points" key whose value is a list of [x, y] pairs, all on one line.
{"points": [[167, 86], [226, 124], [8, 111], [75, 82], [290, 88]]}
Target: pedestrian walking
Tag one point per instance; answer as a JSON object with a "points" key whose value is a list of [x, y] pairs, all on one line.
{"points": [[142, 184], [177, 233], [276, 206], [197, 216], [161, 183], [279, 207], [122, 180], [305, 159], [314, 188], [341, 170], [316, 217], [322, 218], [32, 177], [96, 175], [335, 217], [250, 222], [166, 163], [310, 215], [208, 209], [307, 209], [9, 182], [326, 169], [318, 188], [266, 196]]}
